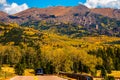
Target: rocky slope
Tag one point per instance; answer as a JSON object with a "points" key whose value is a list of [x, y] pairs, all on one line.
{"points": [[112, 13], [67, 13], [100, 21]]}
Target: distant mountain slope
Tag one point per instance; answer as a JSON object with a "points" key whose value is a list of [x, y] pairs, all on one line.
{"points": [[3, 16], [67, 20], [112, 13], [67, 13]]}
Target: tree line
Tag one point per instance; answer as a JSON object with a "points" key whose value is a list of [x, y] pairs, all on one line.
{"points": [[110, 56], [52, 61]]}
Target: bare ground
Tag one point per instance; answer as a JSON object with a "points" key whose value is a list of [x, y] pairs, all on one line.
{"points": [[37, 78]]}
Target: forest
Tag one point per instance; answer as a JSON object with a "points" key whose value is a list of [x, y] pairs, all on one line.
{"points": [[28, 48]]}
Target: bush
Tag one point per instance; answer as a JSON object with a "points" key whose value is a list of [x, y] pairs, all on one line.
{"points": [[110, 78]]}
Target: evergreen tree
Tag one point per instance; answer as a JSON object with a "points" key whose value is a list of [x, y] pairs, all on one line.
{"points": [[19, 69], [103, 72], [20, 66], [0, 61], [37, 60]]}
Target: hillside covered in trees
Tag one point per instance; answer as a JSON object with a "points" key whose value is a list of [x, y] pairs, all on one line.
{"points": [[28, 48], [77, 21]]}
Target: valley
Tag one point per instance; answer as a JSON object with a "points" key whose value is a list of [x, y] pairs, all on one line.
{"points": [[75, 40]]}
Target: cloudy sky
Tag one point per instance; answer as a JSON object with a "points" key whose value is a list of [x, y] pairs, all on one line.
{"points": [[15, 6]]}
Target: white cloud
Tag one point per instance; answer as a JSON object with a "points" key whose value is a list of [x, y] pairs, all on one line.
{"points": [[12, 8], [2, 1], [103, 3]]}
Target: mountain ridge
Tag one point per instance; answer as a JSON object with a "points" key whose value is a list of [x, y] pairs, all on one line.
{"points": [[58, 11], [103, 21]]}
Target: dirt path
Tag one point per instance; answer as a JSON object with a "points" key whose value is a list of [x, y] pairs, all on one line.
{"points": [[37, 78]]}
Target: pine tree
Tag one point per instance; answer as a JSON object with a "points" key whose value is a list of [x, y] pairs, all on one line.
{"points": [[0, 61], [20, 66], [37, 60], [19, 69], [103, 72]]}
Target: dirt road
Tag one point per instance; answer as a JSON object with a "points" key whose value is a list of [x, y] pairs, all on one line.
{"points": [[37, 78]]}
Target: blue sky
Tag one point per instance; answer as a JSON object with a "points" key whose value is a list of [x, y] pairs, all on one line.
{"points": [[46, 3]]}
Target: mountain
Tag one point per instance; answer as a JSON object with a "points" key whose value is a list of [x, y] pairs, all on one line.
{"points": [[57, 12], [73, 21], [3, 16], [55, 39], [112, 13]]}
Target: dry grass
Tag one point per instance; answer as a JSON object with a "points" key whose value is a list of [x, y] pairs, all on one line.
{"points": [[115, 73], [8, 72], [29, 72], [8, 69]]}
